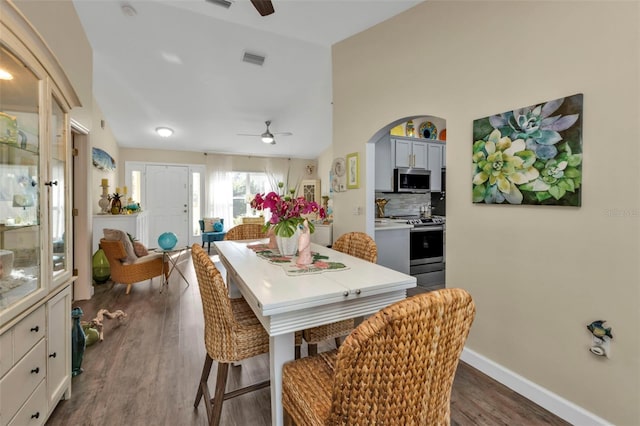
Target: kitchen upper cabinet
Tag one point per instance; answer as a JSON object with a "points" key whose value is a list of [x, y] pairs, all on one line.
{"points": [[410, 153], [436, 161]]}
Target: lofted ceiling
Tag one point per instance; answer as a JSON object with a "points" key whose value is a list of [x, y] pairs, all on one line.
{"points": [[179, 64]]}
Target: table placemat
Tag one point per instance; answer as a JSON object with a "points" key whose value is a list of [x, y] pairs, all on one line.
{"points": [[320, 263]]}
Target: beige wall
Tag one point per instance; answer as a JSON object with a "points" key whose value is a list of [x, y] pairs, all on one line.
{"points": [[58, 23], [539, 275]]}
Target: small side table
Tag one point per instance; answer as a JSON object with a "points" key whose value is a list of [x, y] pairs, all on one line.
{"points": [[172, 257]]}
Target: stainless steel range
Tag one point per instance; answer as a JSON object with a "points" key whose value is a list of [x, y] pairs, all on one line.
{"points": [[427, 260]]}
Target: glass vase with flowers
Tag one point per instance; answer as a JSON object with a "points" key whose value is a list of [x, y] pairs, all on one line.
{"points": [[287, 216]]}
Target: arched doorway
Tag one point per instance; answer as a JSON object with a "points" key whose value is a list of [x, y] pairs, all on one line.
{"points": [[409, 143]]}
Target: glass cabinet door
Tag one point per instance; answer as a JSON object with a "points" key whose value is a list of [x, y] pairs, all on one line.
{"points": [[20, 224], [58, 189]]}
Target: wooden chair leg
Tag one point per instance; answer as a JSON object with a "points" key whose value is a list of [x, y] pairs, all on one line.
{"points": [[288, 421], [206, 369], [128, 289], [218, 397], [338, 342], [313, 349], [209, 247], [297, 352]]}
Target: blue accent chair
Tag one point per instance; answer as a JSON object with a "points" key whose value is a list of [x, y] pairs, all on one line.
{"points": [[207, 237]]}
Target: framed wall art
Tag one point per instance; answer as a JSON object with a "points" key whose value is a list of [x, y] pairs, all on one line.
{"points": [[353, 171], [530, 155]]}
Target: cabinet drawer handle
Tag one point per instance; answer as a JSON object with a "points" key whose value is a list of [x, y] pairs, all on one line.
{"points": [[35, 329], [53, 355], [51, 183], [36, 415], [35, 370], [358, 291], [345, 293]]}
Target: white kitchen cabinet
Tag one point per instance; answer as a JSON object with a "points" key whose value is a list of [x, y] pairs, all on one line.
{"points": [[35, 224], [436, 160], [393, 247], [410, 153]]}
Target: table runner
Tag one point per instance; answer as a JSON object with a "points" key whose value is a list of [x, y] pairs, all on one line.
{"points": [[320, 263]]}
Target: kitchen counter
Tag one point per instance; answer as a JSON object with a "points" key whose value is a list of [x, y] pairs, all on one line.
{"points": [[391, 224]]}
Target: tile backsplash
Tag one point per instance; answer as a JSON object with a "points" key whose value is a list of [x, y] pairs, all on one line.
{"points": [[409, 204]]}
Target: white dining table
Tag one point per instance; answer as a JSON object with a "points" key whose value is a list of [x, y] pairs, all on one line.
{"points": [[285, 304]]}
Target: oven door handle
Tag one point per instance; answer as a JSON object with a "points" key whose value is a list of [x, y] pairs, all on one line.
{"points": [[427, 228]]}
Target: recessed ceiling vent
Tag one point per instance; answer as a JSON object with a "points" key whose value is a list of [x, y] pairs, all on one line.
{"points": [[253, 58], [224, 3]]}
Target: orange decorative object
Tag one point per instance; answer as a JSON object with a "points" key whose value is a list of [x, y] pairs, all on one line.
{"points": [[443, 135]]}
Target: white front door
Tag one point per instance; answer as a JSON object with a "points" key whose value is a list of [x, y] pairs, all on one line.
{"points": [[167, 206]]}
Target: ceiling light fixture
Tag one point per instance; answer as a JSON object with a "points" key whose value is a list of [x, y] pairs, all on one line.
{"points": [[164, 132], [5, 75], [128, 10], [253, 58]]}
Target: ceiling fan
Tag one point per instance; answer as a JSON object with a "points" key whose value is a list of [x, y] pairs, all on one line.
{"points": [[267, 136], [264, 7]]}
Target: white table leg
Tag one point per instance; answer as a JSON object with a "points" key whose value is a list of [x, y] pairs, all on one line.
{"points": [[281, 350]]}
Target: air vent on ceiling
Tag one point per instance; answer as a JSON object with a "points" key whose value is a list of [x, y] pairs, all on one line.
{"points": [[253, 58], [223, 3]]}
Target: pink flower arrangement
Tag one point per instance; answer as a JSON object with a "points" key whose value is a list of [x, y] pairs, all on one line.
{"points": [[286, 211]]}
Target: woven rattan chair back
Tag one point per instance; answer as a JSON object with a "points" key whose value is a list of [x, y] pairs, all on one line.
{"points": [[357, 244], [398, 366], [246, 231], [222, 333], [231, 333], [130, 274]]}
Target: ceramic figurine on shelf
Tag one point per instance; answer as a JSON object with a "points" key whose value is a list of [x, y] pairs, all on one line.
{"points": [[304, 245], [410, 130]]}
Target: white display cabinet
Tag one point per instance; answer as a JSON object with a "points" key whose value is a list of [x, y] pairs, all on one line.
{"points": [[35, 224]]}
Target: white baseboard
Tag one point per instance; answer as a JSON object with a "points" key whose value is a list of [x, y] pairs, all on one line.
{"points": [[559, 406]]}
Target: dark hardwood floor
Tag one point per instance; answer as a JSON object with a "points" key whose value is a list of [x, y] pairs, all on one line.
{"points": [[146, 370]]}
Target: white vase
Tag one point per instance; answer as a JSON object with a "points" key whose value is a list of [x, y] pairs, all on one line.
{"points": [[288, 246]]}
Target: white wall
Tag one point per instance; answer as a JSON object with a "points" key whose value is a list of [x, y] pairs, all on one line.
{"points": [[538, 275]]}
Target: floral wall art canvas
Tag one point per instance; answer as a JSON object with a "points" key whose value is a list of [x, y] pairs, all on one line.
{"points": [[531, 155]]}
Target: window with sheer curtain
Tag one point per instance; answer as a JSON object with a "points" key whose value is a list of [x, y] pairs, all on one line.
{"points": [[245, 186]]}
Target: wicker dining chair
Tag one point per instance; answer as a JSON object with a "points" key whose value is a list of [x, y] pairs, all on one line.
{"points": [[356, 244], [144, 268], [231, 333], [396, 368], [246, 231]]}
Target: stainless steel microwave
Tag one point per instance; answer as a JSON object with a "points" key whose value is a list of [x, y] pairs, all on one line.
{"points": [[411, 180]]}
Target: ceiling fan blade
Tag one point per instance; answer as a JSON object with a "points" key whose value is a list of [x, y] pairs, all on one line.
{"points": [[247, 134], [264, 7], [283, 133]]}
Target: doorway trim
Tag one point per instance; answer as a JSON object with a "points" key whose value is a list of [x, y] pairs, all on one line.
{"points": [[82, 223]]}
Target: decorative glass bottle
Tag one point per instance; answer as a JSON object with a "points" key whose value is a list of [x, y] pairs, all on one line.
{"points": [[101, 268], [78, 340]]}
